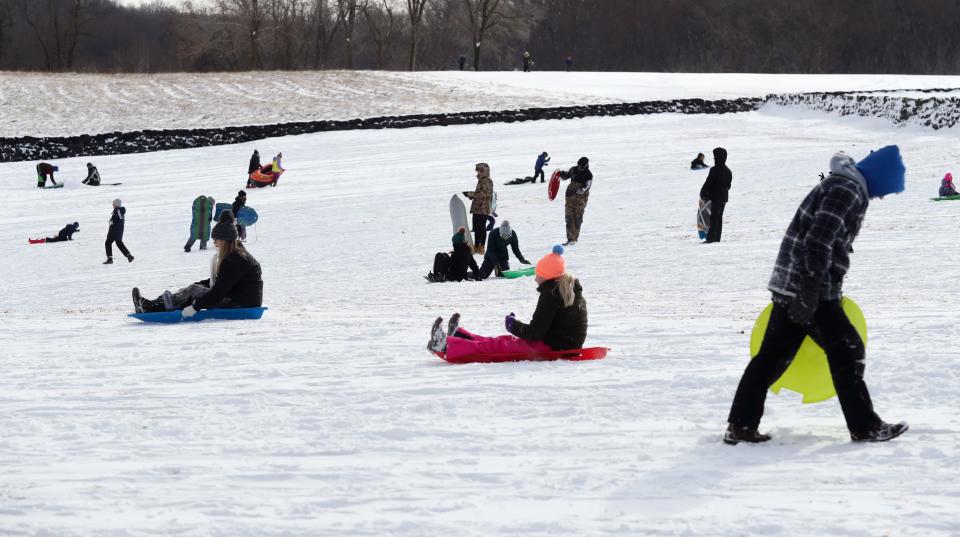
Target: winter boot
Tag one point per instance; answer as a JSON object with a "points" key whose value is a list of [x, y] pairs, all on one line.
{"points": [[137, 301], [438, 340], [739, 433], [570, 243], [187, 249], [130, 258], [109, 261], [480, 249], [453, 324], [881, 433]]}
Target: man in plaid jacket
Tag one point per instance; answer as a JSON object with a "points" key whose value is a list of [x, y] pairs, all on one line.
{"points": [[807, 287]]}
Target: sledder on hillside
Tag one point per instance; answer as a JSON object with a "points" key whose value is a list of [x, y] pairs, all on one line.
{"points": [[267, 175]]}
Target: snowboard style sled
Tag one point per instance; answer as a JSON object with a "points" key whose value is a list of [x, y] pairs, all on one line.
{"points": [[521, 180], [554, 185], [58, 185], [590, 353], [519, 273], [176, 316], [703, 218], [104, 184], [947, 198]]}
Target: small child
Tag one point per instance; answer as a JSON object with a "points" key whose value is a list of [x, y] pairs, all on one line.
{"points": [[946, 186]]}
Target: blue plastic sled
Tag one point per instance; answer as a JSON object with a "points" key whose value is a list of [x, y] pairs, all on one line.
{"points": [[247, 217], [176, 316]]}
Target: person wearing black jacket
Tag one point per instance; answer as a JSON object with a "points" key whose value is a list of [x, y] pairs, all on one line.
{"points": [[65, 234], [715, 190], [577, 196], [497, 256], [453, 267], [559, 322], [239, 202], [93, 175], [698, 163], [807, 285], [235, 279], [115, 233]]}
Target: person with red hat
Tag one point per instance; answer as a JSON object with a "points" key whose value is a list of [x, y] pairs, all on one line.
{"points": [[559, 322], [946, 186]]}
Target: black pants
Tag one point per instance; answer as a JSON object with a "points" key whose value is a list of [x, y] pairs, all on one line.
{"points": [[111, 238], [480, 229], [490, 263], [58, 238], [831, 330], [716, 221], [538, 173]]}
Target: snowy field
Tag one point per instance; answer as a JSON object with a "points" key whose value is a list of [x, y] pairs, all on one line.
{"points": [[328, 416], [38, 104]]}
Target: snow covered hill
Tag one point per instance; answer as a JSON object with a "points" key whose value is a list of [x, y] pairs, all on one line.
{"points": [[328, 416]]}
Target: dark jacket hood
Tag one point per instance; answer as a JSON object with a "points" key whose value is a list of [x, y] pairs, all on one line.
{"points": [[719, 156]]}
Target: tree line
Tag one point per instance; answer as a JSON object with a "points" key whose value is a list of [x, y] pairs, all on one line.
{"points": [[781, 36]]}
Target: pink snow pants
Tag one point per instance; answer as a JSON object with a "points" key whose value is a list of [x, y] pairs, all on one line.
{"points": [[458, 346]]}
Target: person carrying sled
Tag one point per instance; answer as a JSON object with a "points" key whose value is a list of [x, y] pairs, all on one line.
{"points": [[44, 171], [497, 256], [481, 207], [235, 279], [238, 203], [542, 160], [577, 196], [806, 285], [559, 322], [716, 190], [115, 233], [200, 223], [946, 186], [453, 267], [698, 163], [93, 175], [65, 234]]}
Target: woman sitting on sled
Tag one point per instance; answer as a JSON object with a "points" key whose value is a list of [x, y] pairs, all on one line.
{"points": [[559, 322]]}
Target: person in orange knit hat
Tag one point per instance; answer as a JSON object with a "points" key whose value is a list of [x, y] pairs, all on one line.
{"points": [[559, 322]]}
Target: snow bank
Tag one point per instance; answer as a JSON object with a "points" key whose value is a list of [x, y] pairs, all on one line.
{"points": [[935, 112]]}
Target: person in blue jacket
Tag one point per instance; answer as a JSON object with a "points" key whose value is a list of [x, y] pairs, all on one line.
{"points": [[542, 160]]}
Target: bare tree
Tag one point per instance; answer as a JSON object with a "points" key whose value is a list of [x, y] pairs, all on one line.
{"points": [[380, 20], [326, 30], [415, 9], [482, 16], [347, 15]]}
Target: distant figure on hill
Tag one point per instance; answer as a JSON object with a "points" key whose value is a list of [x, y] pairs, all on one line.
{"points": [[716, 190], [93, 175], [527, 62], [115, 233], [946, 186], [542, 160], [569, 63], [462, 62], [698, 163], [44, 171], [65, 234]]}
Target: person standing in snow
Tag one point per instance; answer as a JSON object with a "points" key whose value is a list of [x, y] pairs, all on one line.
{"points": [[93, 175], [527, 62], [577, 196], [238, 203], [497, 256], [115, 233], [806, 285], [202, 212], [253, 166], [542, 160], [716, 190], [462, 62], [569, 63], [482, 197], [559, 322], [65, 234], [946, 186], [44, 171], [235, 279]]}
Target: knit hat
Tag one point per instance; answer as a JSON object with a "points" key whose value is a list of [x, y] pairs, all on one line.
{"points": [[583, 162], [458, 237], [505, 230], [947, 178], [551, 266], [242, 194], [117, 202], [226, 228], [884, 171]]}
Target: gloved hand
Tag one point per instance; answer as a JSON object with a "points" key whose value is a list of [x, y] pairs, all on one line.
{"points": [[508, 322], [805, 302], [468, 194], [524, 261], [189, 311]]}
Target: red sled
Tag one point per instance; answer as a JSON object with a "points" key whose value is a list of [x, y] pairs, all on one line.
{"points": [[591, 353], [36, 241], [554, 185]]}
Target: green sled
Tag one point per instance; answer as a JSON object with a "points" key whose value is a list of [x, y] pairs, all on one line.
{"points": [[511, 274]]}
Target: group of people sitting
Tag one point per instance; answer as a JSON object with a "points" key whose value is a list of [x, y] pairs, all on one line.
{"points": [[459, 265]]}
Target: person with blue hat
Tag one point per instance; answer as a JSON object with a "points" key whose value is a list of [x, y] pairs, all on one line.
{"points": [[806, 286]]}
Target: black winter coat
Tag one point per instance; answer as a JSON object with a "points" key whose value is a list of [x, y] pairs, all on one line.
{"points": [[116, 223], [497, 246], [237, 203], [67, 232], [254, 164], [240, 281], [580, 180], [561, 328], [719, 180], [460, 261]]}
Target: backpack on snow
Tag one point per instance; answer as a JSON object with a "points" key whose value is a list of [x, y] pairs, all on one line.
{"points": [[441, 267]]}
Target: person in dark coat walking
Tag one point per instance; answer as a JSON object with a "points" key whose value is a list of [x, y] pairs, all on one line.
{"points": [[44, 171], [236, 280], [455, 266], [93, 175], [577, 196], [497, 256], [65, 234], [559, 322], [542, 160], [239, 202], [115, 233], [807, 285], [715, 190]]}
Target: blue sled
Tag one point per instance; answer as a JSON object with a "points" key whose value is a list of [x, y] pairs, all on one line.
{"points": [[176, 316]]}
